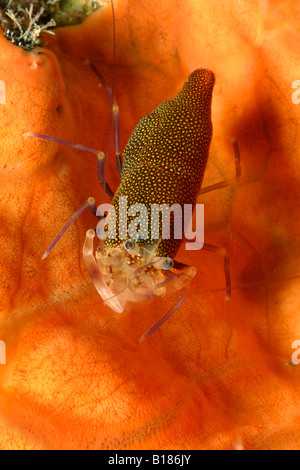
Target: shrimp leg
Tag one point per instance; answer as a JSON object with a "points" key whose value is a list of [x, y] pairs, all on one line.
{"points": [[89, 203], [227, 183], [116, 120], [207, 247], [224, 253], [163, 319]]}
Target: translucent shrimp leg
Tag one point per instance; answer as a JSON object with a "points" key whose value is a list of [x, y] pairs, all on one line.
{"points": [[183, 274], [163, 319], [224, 253], [89, 203], [191, 271], [102, 178], [65, 142], [227, 183], [115, 112], [98, 153]]}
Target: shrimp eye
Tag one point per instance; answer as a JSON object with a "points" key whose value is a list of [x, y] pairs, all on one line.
{"points": [[129, 244], [168, 264]]}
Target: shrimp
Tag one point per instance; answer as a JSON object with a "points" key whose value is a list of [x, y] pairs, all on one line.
{"points": [[163, 164]]}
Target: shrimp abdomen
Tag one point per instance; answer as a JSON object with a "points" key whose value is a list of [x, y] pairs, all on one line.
{"points": [[166, 156]]}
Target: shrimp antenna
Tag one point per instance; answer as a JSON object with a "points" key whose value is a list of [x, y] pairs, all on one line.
{"points": [[112, 101]]}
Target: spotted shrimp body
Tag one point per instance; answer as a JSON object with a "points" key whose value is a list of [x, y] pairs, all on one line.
{"points": [[163, 163], [165, 158]]}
